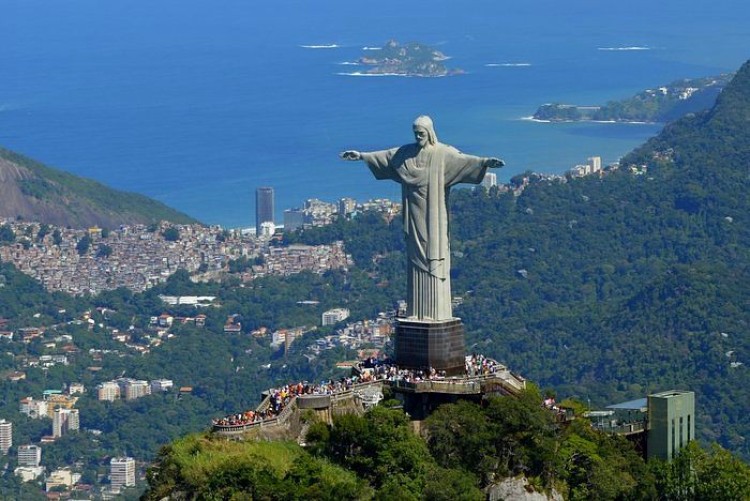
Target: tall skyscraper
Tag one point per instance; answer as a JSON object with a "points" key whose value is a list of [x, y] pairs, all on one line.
{"points": [[122, 472], [347, 206], [63, 421], [263, 207], [595, 163], [6, 436]]}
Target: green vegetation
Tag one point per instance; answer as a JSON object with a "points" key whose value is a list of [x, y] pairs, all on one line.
{"points": [[7, 235], [199, 468], [699, 474], [82, 246], [465, 449], [171, 234], [663, 104]]}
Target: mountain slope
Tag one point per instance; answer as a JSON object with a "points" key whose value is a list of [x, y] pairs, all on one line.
{"points": [[36, 192], [639, 281]]}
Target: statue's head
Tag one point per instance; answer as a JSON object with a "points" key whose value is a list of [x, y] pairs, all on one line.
{"points": [[424, 131]]}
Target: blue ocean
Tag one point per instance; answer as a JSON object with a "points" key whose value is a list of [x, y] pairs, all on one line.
{"points": [[197, 103]]}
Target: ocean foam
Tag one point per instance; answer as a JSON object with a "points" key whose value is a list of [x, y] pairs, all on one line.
{"points": [[508, 65], [328, 46], [532, 119], [349, 63], [372, 48], [622, 49]]}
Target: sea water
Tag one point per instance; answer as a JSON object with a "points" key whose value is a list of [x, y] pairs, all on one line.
{"points": [[198, 103]]}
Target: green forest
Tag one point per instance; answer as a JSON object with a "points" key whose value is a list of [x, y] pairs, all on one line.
{"points": [[663, 104], [464, 449]]}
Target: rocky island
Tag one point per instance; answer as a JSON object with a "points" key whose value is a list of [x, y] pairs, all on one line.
{"points": [[412, 59], [662, 104]]}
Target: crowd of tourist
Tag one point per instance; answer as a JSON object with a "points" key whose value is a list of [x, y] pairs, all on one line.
{"points": [[279, 399], [479, 365], [368, 370]]}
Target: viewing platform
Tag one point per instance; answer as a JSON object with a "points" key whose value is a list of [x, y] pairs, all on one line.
{"points": [[419, 391]]}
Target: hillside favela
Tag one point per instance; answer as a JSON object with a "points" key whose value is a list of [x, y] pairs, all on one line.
{"points": [[407, 310]]}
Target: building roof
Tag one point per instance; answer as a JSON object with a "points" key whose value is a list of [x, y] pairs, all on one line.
{"points": [[640, 404]]}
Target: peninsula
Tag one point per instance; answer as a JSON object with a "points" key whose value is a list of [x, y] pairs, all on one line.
{"points": [[412, 59], [662, 104]]}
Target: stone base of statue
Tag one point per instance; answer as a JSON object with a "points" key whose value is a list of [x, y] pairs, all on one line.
{"points": [[421, 344]]}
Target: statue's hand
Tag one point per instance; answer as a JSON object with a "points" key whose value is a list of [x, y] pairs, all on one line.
{"points": [[351, 155], [494, 163]]}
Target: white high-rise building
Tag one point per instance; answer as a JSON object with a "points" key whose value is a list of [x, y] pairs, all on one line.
{"points": [[29, 455], [6, 436], [334, 316], [122, 472], [490, 180], [109, 391], [136, 388], [595, 164], [63, 421], [347, 206]]}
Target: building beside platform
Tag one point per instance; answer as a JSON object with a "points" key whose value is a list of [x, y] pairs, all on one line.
{"points": [[660, 425]]}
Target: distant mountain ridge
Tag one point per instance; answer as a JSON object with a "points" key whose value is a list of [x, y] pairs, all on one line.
{"points": [[36, 192]]}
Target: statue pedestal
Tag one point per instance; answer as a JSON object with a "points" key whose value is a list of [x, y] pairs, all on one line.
{"points": [[421, 344]]}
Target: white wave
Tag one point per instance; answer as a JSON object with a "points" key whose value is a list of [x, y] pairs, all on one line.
{"points": [[507, 65], [627, 48], [328, 46], [537, 120], [372, 48], [349, 63], [621, 122]]}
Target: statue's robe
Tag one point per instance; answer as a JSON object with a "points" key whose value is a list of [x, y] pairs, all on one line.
{"points": [[426, 176]]}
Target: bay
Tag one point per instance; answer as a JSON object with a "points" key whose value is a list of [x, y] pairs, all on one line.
{"points": [[197, 104]]}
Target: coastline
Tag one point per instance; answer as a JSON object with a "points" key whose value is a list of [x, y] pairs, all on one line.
{"points": [[631, 122]]}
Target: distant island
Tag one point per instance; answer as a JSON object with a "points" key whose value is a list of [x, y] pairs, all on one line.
{"points": [[412, 59], [662, 104]]}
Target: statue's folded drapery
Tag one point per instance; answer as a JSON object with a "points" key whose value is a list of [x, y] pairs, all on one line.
{"points": [[426, 176]]}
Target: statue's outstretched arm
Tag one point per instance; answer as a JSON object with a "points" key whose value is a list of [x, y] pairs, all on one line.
{"points": [[351, 155]]}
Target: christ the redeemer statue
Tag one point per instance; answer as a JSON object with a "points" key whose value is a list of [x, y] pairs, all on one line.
{"points": [[426, 170]]}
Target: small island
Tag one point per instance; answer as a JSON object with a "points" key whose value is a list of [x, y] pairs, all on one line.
{"points": [[662, 104], [412, 59]]}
